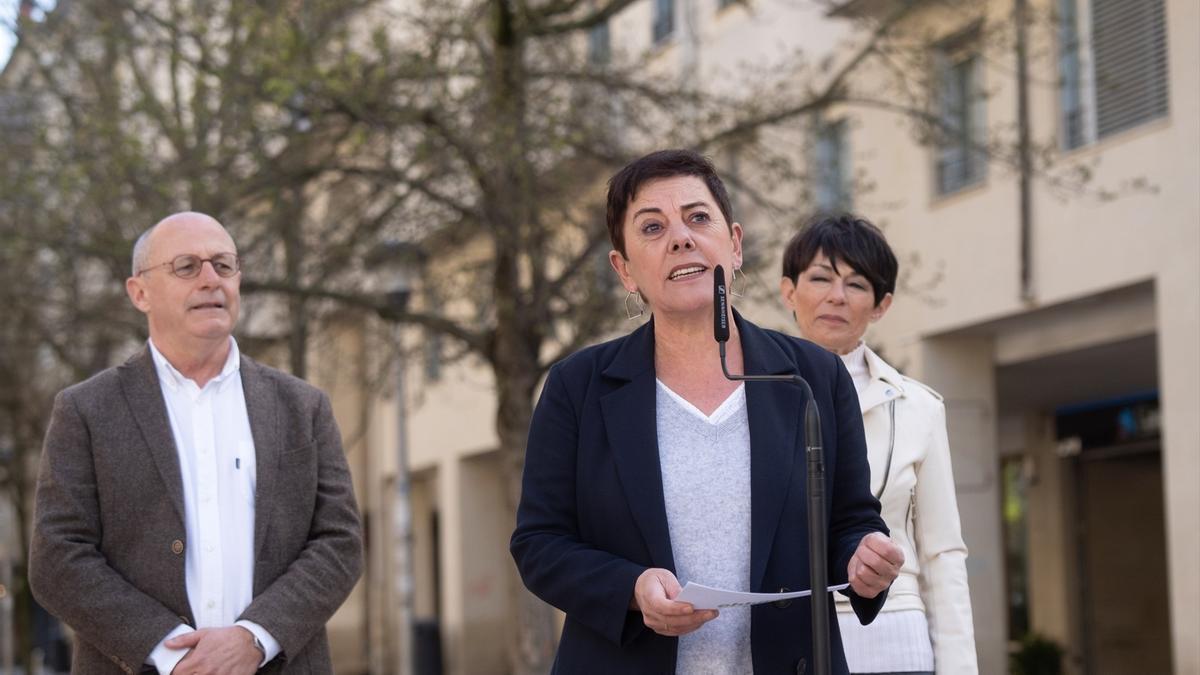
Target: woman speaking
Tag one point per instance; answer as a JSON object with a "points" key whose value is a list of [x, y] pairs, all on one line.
{"points": [[646, 468], [838, 277]]}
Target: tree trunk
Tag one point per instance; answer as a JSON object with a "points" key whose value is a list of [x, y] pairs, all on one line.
{"points": [[533, 652], [26, 423], [291, 227], [519, 334]]}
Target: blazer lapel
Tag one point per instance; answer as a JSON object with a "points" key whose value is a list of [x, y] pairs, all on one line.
{"points": [[143, 394], [774, 413], [262, 407], [629, 419]]}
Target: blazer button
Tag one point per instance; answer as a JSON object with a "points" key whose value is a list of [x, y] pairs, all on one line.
{"points": [[783, 604], [801, 666], [177, 547]]}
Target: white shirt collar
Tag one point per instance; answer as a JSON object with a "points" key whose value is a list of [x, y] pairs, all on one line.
{"points": [[856, 365], [174, 379]]}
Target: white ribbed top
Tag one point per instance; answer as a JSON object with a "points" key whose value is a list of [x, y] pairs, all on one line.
{"points": [[705, 462], [856, 363], [895, 642]]}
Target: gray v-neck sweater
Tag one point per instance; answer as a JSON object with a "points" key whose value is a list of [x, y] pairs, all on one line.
{"points": [[705, 462]]}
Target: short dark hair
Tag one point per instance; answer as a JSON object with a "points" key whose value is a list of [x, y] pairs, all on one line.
{"points": [[624, 185], [844, 237]]}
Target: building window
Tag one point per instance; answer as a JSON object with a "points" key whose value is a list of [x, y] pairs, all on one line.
{"points": [[1127, 83], [664, 19], [1129, 39], [599, 45], [961, 158], [1071, 94], [831, 167]]}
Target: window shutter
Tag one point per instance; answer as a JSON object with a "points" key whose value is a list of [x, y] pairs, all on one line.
{"points": [[1129, 44]]}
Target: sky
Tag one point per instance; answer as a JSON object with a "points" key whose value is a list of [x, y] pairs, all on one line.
{"points": [[8, 19], [8, 14]]}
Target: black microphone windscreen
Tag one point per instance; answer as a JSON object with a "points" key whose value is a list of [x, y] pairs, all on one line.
{"points": [[720, 306]]}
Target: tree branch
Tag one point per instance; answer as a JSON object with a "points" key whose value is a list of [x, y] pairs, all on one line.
{"points": [[598, 15], [827, 94], [476, 341]]}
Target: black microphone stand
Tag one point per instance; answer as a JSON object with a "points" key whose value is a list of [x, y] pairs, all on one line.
{"points": [[818, 565]]}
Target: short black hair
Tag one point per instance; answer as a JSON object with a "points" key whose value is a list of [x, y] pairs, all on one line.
{"points": [[624, 185], [844, 237]]}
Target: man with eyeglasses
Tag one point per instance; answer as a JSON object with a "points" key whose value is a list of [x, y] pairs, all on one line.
{"points": [[194, 509]]}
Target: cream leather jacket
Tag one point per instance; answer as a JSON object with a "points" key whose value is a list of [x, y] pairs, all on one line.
{"points": [[905, 423]]}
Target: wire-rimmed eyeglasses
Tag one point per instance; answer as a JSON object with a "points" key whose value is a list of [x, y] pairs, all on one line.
{"points": [[188, 266]]}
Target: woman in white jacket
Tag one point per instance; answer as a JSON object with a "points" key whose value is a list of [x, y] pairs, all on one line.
{"points": [[838, 277]]}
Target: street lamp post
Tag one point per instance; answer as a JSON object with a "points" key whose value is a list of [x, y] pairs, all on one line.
{"points": [[393, 263], [402, 518]]}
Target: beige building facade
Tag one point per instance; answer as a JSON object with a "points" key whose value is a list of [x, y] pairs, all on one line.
{"points": [[1066, 340]]}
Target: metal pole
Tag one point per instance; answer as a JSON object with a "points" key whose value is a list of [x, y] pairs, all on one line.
{"points": [[818, 543], [1025, 187], [402, 528]]}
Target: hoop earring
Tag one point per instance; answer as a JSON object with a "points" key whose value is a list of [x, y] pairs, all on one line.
{"points": [[733, 290], [641, 307]]}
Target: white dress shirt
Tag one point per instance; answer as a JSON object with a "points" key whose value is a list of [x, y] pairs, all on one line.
{"points": [[218, 471]]}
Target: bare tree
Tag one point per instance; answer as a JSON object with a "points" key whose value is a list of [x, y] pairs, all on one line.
{"points": [[476, 135], [322, 130]]}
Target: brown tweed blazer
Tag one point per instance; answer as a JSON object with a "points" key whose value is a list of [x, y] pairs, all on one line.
{"points": [[108, 540]]}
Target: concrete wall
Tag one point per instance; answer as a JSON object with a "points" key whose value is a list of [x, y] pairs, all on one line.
{"points": [[487, 582], [1179, 339], [961, 370]]}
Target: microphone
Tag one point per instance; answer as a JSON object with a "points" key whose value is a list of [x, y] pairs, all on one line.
{"points": [[818, 558], [721, 307]]}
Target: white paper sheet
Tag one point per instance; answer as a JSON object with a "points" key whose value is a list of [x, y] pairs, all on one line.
{"points": [[707, 597]]}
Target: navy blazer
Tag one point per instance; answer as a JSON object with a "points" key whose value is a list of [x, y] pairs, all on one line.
{"points": [[592, 516]]}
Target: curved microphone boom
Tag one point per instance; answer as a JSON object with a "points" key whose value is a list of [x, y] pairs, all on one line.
{"points": [[818, 559]]}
